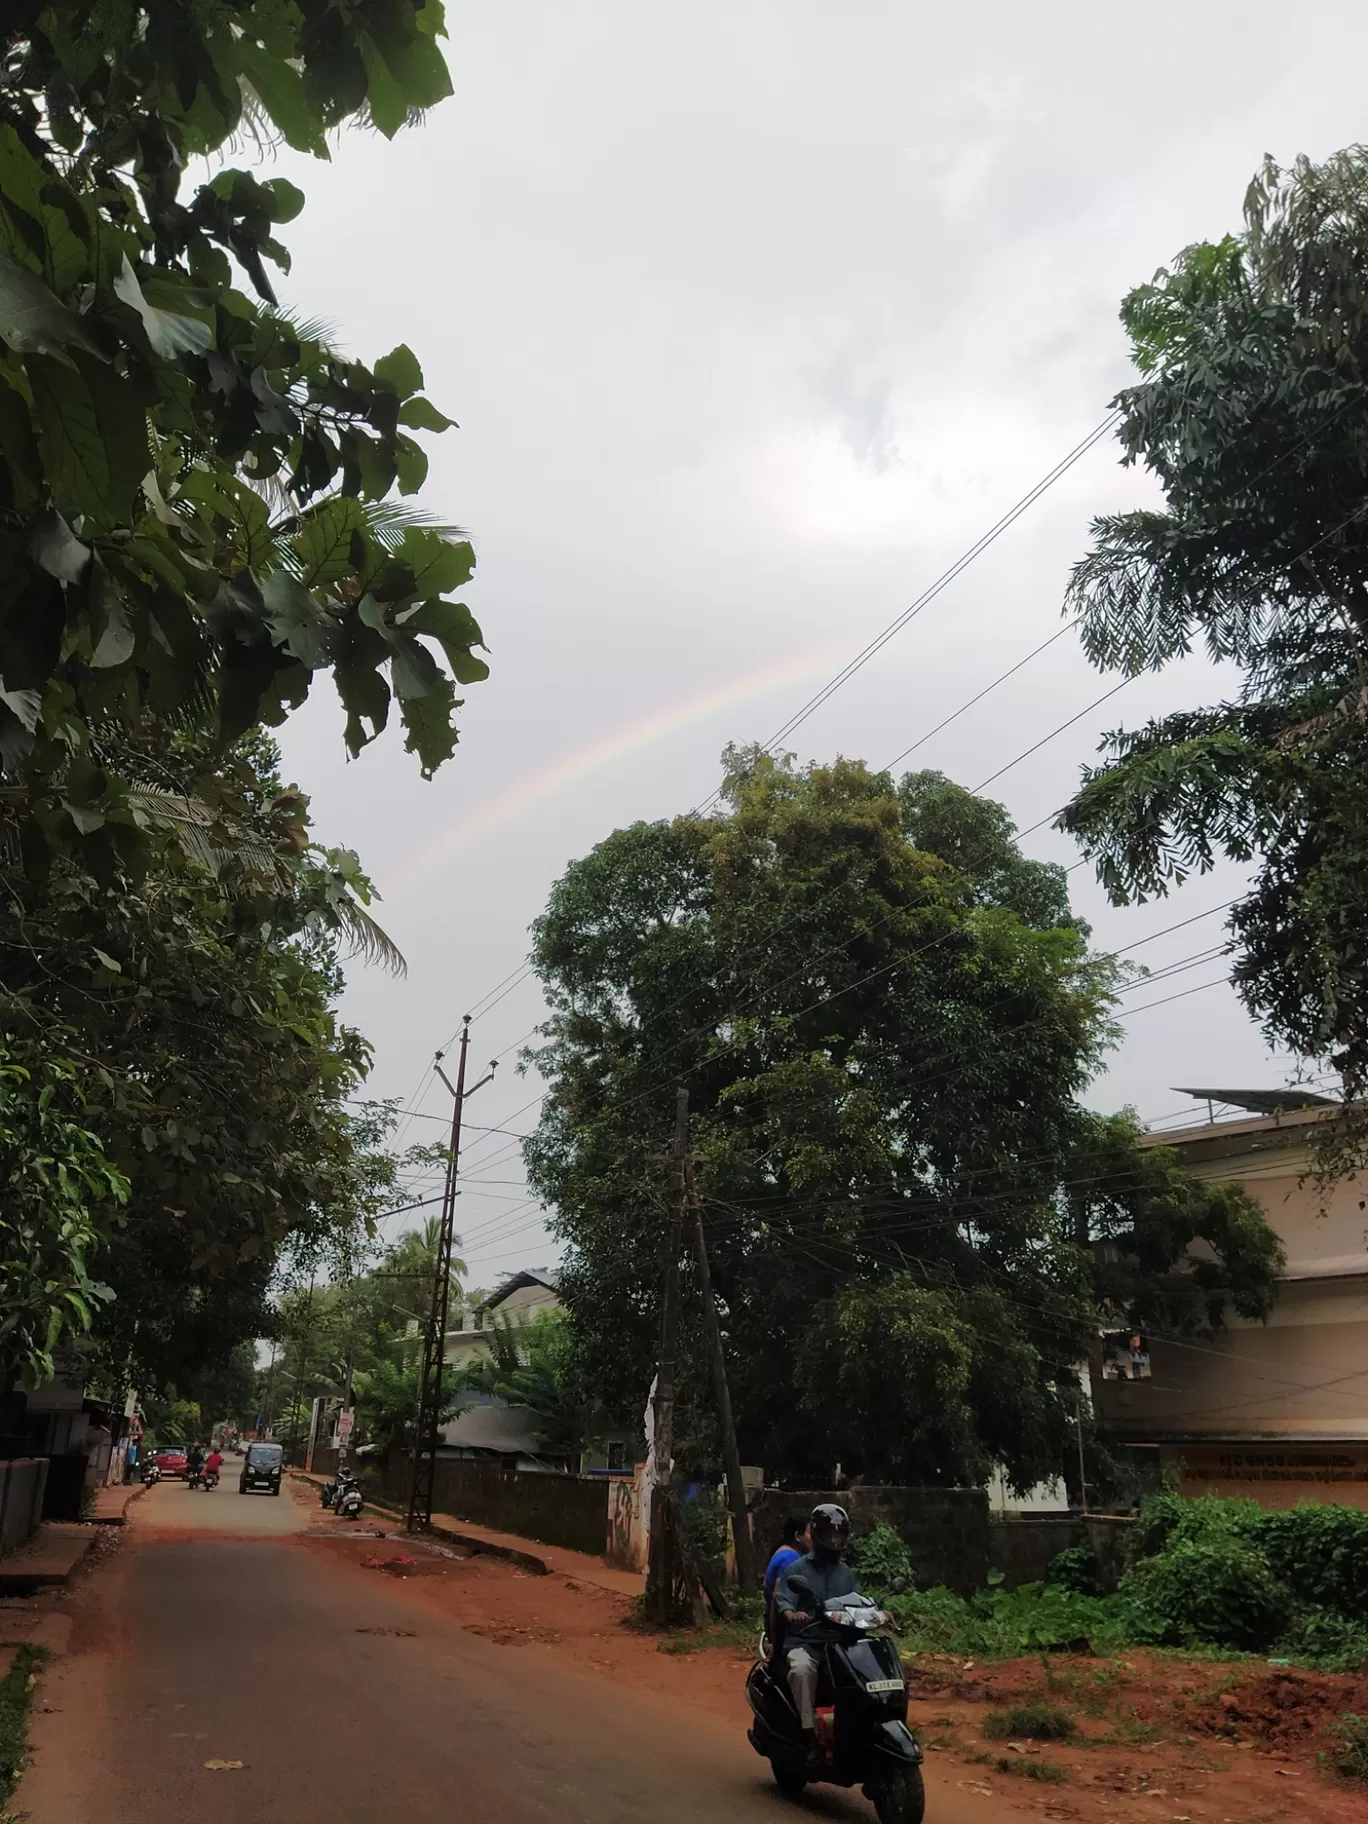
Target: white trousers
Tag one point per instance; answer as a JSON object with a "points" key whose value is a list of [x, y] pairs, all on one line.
{"points": [[802, 1678]]}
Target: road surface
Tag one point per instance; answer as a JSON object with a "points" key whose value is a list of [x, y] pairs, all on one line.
{"points": [[214, 1634]]}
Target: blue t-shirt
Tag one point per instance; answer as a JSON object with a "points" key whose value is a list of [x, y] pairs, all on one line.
{"points": [[777, 1565]]}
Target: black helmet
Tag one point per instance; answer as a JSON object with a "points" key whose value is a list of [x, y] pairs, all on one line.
{"points": [[830, 1527]]}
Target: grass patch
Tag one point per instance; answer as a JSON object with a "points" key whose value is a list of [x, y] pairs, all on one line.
{"points": [[16, 1698], [1350, 1754], [1048, 1771], [1030, 1723]]}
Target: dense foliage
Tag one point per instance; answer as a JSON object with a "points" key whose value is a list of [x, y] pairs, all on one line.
{"points": [[1252, 413], [194, 1012], [57, 1189], [194, 512], [535, 1367], [884, 1049], [1205, 1574]]}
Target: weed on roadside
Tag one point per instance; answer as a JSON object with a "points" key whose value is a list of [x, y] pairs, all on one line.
{"points": [[1350, 1754], [16, 1699], [1030, 1722], [1048, 1771]]}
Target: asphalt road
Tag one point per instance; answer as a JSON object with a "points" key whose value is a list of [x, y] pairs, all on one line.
{"points": [[232, 1641]]}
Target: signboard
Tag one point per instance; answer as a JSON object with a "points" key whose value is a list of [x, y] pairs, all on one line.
{"points": [[1327, 1464], [345, 1420]]}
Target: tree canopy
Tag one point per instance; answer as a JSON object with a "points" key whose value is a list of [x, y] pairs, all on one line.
{"points": [[196, 509], [173, 1060], [1252, 413], [884, 1057]]}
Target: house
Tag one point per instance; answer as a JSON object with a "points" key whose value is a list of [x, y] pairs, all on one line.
{"points": [[489, 1427], [1275, 1411]]}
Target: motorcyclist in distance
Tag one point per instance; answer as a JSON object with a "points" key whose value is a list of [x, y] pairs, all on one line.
{"points": [[803, 1588]]}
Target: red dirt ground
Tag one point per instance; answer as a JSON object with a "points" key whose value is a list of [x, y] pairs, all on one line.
{"points": [[1162, 1739]]}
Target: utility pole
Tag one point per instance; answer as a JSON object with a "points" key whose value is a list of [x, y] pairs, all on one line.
{"points": [[434, 1345], [731, 1455], [659, 1574]]}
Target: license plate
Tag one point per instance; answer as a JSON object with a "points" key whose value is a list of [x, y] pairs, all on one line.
{"points": [[884, 1684]]}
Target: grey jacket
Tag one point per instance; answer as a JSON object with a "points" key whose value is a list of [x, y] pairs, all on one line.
{"points": [[825, 1579]]}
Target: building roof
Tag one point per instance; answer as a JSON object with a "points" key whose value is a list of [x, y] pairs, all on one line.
{"points": [[530, 1276]]}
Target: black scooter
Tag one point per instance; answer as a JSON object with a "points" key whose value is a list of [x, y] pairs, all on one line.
{"points": [[862, 1734]]}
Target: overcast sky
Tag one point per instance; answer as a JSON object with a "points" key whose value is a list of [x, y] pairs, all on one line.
{"points": [[755, 316]]}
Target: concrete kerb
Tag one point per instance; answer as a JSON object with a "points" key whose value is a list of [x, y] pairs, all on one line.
{"points": [[525, 1561]]}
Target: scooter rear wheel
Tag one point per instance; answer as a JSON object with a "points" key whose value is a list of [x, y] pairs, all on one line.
{"points": [[789, 1778], [901, 1799]]}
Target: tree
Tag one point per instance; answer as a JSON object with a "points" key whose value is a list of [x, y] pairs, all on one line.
{"points": [[196, 1014], [534, 1365], [195, 511], [1252, 413], [884, 1061], [57, 1189]]}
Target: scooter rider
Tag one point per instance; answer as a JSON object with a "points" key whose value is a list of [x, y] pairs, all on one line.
{"points": [[824, 1574]]}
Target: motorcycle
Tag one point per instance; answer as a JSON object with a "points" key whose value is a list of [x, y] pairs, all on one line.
{"points": [[194, 1478], [209, 1479], [348, 1502], [862, 1734]]}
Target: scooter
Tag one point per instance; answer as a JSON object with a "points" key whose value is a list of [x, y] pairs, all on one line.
{"points": [[151, 1474], [194, 1478], [210, 1479], [862, 1734], [348, 1502]]}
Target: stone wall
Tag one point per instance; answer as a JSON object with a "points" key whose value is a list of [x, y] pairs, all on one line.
{"points": [[570, 1511]]}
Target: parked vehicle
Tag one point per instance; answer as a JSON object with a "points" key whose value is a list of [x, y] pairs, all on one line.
{"points": [[150, 1472], [862, 1734], [261, 1468], [170, 1460], [349, 1502]]}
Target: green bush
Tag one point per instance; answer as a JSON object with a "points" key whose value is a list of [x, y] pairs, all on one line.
{"points": [[1351, 1749], [1030, 1723], [878, 1556], [1168, 1519], [1321, 1553], [1328, 1641], [1076, 1568], [1208, 1591]]}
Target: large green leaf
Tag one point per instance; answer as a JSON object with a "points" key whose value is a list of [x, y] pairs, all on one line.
{"points": [[455, 627], [297, 621], [33, 318], [69, 437], [400, 369], [428, 720], [411, 464], [168, 333], [438, 564], [324, 540], [389, 106], [422, 415]]}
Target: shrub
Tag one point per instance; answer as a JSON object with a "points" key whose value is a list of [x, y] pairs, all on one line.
{"points": [[1076, 1568], [1321, 1553], [1169, 1519], [880, 1555], [1214, 1591], [1331, 1642], [1030, 1723], [1351, 1750]]}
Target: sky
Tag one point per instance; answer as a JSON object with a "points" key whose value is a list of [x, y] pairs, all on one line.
{"points": [[754, 317]]}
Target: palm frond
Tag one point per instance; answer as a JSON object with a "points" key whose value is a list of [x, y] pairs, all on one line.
{"points": [[368, 940]]}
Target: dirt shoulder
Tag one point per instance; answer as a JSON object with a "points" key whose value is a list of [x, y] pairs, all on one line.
{"points": [[1159, 1738]]}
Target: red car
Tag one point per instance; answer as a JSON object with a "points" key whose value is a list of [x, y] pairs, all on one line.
{"points": [[170, 1460]]}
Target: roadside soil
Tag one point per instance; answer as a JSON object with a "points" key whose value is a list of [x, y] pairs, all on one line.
{"points": [[1161, 1738]]}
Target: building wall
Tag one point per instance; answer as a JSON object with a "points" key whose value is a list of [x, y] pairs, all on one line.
{"points": [[1277, 1411]]}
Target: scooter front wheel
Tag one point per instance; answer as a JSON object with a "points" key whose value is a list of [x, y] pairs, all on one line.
{"points": [[900, 1799], [788, 1777]]}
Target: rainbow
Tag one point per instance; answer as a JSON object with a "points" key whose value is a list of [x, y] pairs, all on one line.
{"points": [[618, 744]]}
